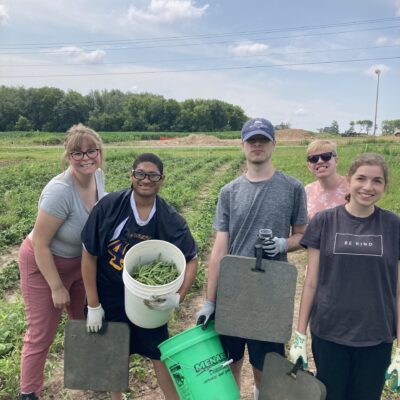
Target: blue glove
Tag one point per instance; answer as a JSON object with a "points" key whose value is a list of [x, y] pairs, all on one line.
{"points": [[394, 370], [163, 302], [273, 247], [203, 316]]}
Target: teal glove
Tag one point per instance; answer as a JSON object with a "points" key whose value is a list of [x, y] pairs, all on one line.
{"points": [[394, 370], [299, 349]]}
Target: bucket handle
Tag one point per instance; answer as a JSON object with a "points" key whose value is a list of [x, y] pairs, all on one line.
{"points": [[217, 367]]}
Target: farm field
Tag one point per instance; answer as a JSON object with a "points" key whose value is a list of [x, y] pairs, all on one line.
{"points": [[194, 176]]}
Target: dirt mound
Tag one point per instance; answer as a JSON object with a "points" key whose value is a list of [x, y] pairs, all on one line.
{"points": [[193, 139], [293, 134], [198, 139]]}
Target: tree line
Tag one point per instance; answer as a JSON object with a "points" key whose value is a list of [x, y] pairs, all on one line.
{"points": [[51, 109], [388, 127]]}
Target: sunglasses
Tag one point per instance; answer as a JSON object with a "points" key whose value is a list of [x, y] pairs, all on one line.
{"points": [[323, 156], [141, 175]]}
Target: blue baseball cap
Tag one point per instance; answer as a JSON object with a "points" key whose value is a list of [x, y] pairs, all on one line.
{"points": [[258, 126]]}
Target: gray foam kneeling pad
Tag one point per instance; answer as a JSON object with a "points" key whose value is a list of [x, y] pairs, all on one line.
{"points": [[277, 382], [252, 304], [96, 361]]}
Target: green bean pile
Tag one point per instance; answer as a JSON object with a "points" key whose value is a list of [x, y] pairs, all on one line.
{"points": [[156, 273]]}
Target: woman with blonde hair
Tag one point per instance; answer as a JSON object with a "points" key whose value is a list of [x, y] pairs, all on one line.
{"points": [[50, 256], [330, 188], [351, 293]]}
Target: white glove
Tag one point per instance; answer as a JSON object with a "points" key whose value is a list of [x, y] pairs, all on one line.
{"points": [[299, 349], [94, 319], [394, 368], [205, 313], [163, 302], [273, 247]]}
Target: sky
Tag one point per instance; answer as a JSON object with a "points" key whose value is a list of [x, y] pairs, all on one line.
{"points": [[305, 63]]}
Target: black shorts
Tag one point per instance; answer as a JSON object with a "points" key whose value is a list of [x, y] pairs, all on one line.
{"points": [[234, 349], [142, 341]]}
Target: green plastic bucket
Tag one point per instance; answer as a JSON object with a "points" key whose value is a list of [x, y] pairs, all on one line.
{"points": [[198, 366]]}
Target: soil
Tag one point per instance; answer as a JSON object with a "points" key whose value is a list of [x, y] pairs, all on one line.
{"points": [[10, 255], [194, 139]]}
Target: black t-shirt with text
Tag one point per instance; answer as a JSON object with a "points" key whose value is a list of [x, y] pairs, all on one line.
{"points": [[355, 301]]}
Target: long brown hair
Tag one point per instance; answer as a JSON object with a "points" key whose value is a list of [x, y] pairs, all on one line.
{"points": [[368, 159]]}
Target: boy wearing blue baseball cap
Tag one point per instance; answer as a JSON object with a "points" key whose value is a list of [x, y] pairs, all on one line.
{"points": [[260, 198]]}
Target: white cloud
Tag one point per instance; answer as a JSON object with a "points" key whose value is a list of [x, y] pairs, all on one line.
{"points": [[301, 112], [371, 71], [4, 16], [397, 5], [79, 55], [381, 40], [167, 11], [249, 49]]}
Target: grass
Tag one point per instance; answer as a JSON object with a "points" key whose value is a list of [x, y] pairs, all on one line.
{"points": [[194, 177]]}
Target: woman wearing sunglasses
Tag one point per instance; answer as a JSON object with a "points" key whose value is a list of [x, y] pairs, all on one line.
{"points": [[351, 293], [119, 221], [50, 256], [330, 188]]}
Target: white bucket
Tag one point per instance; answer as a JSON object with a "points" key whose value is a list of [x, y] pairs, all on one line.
{"points": [[135, 292]]}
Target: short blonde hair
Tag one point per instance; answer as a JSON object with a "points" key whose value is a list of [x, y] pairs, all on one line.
{"points": [[319, 145], [75, 136]]}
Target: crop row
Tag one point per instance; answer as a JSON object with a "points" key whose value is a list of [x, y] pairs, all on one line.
{"points": [[211, 173]]}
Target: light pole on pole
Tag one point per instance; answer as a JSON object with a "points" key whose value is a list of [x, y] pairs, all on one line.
{"points": [[378, 72]]}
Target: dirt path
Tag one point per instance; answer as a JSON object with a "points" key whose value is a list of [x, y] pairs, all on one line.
{"points": [[10, 255]]}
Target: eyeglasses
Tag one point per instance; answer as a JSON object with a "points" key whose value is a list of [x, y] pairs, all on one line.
{"points": [[78, 155], [324, 157], [141, 175]]}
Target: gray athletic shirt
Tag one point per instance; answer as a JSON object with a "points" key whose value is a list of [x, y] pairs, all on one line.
{"points": [[61, 199], [244, 207]]}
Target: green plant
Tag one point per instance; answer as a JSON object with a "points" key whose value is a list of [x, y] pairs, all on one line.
{"points": [[9, 275]]}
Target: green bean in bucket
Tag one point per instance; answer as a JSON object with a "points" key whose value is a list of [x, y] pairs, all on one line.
{"points": [[156, 273]]}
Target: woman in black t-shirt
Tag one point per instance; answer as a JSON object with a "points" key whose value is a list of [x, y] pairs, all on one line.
{"points": [[350, 293]]}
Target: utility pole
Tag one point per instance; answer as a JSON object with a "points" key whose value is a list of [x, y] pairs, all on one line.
{"points": [[378, 72]]}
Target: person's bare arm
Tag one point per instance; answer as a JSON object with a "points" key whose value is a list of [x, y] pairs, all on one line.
{"points": [[45, 228], [219, 250], [309, 289], [294, 239], [89, 274], [190, 276]]}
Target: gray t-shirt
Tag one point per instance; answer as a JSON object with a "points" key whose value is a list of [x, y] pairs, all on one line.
{"points": [[245, 207], [61, 199], [355, 301]]}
